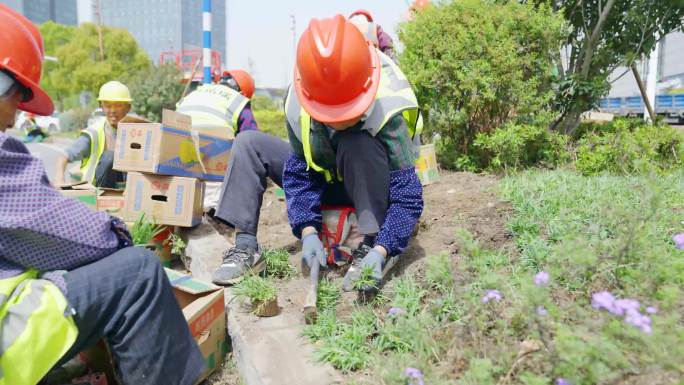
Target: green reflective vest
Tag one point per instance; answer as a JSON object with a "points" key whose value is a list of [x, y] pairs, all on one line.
{"points": [[36, 328], [394, 96], [213, 106], [97, 147]]}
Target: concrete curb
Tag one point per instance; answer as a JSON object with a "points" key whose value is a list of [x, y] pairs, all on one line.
{"points": [[269, 351]]}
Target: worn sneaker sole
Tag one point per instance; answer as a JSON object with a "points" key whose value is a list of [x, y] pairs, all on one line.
{"points": [[255, 269]]}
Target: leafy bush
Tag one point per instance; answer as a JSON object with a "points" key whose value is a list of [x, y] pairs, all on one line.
{"points": [[271, 122], [155, 89], [75, 119], [520, 145], [477, 64], [627, 147]]}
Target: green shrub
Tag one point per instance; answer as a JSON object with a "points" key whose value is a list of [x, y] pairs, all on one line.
{"points": [[626, 147], [477, 64], [75, 119], [519, 145], [278, 264], [271, 122]]}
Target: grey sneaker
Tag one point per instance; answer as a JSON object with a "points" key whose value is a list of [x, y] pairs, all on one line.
{"points": [[237, 262]]}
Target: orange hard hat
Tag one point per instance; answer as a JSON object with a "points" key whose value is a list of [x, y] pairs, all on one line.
{"points": [[21, 54], [362, 12], [419, 5], [244, 81], [337, 72]]}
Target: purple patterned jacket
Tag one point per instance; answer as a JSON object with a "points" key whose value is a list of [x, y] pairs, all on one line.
{"points": [[39, 228]]}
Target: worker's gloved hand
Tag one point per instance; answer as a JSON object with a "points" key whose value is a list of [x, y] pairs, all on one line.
{"points": [[312, 252], [373, 261]]}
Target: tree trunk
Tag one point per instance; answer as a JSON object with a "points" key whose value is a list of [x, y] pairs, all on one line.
{"points": [[568, 123]]}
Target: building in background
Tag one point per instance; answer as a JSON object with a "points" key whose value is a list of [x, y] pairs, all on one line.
{"points": [[40, 11], [165, 25]]}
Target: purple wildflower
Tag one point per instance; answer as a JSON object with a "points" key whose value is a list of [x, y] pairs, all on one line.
{"points": [[562, 381], [541, 279], [395, 311], [414, 374], [652, 310], [492, 295], [625, 306], [639, 320], [603, 300], [542, 311], [678, 240]]}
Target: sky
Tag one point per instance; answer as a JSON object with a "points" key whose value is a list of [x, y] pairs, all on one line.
{"points": [[261, 30]]}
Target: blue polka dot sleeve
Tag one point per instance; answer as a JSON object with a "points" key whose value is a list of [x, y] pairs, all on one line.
{"points": [[405, 209], [303, 192]]}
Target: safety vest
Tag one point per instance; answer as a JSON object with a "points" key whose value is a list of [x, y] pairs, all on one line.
{"points": [[97, 147], [36, 328], [394, 96], [213, 106]]}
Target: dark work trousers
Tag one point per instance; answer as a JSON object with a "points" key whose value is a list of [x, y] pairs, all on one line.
{"points": [[127, 299], [105, 175], [361, 159]]}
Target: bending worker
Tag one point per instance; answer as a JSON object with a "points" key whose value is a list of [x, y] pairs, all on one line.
{"points": [[68, 276], [95, 146], [351, 117]]}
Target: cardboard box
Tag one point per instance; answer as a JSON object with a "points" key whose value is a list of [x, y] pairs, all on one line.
{"points": [[173, 148], [111, 201], [204, 309], [166, 200], [83, 192], [426, 165]]}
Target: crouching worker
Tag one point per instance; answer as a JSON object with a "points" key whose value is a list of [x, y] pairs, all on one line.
{"points": [[68, 276], [351, 117]]}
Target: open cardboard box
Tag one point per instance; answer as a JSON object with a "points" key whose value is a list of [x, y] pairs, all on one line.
{"points": [[204, 309], [83, 192], [111, 201], [173, 147]]}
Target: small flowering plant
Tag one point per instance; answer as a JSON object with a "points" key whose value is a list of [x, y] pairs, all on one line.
{"points": [[628, 309], [414, 376], [491, 296]]}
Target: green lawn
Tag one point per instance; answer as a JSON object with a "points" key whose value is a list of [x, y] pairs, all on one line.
{"points": [[489, 317]]}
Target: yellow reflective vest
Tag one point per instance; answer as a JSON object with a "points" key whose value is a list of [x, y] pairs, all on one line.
{"points": [[97, 147], [394, 96], [36, 328], [213, 107]]}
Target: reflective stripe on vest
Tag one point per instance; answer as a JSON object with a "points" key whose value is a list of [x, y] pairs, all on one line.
{"points": [[97, 147], [36, 328], [394, 96], [213, 106]]}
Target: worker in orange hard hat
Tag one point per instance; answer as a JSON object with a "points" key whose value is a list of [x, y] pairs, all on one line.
{"points": [[222, 106], [363, 20], [255, 157], [68, 275], [352, 119]]}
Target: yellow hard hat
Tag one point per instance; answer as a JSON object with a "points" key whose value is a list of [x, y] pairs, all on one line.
{"points": [[114, 91]]}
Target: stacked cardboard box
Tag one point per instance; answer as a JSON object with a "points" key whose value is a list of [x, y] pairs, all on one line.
{"points": [[166, 163]]}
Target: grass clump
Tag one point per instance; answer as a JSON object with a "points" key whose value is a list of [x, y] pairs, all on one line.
{"points": [[256, 289], [144, 231], [278, 264]]}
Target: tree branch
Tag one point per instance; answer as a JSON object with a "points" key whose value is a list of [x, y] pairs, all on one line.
{"points": [[591, 42]]}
